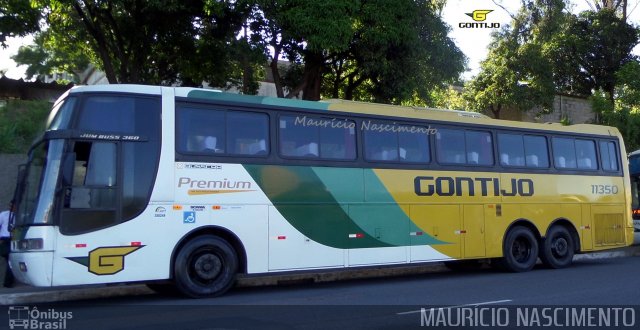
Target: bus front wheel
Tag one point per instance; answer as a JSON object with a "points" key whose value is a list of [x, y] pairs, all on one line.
{"points": [[206, 266], [557, 249], [520, 250]]}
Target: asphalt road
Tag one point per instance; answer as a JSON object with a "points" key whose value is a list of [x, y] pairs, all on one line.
{"points": [[372, 303]]}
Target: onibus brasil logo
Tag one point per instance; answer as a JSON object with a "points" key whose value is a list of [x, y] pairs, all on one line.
{"points": [[479, 16], [23, 317]]}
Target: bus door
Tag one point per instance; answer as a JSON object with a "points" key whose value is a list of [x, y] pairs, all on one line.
{"points": [[473, 231]]}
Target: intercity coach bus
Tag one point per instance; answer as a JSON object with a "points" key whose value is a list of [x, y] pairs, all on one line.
{"points": [[194, 187]]}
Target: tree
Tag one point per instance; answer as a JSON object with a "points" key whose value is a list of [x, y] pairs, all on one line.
{"points": [[619, 6], [592, 47], [18, 18], [42, 60], [409, 60], [153, 42], [374, 50], [517, 72], [624, 113]]}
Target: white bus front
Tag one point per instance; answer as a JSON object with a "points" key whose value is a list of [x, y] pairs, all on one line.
{"points": [[87, 182]]}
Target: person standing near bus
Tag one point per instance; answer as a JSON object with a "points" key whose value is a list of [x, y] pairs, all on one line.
{"points": [[6, 277]]}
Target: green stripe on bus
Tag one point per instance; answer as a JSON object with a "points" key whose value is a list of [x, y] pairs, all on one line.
{"points": [[212, 95], [324, 220], [380, 216]]}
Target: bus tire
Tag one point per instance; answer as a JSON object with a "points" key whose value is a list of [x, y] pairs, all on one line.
{"points": [[206, 266], [520, 250], [557, 249]]}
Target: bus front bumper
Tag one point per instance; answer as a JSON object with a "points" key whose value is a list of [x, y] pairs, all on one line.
{"points": [[32, 268]]}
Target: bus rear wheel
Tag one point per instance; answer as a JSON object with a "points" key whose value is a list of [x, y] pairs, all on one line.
{"points": [[206, 266], [520, 250], [557, 249]]}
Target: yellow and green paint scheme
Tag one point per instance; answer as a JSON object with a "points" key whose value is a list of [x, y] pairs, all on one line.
{"points": [[393, 207]]}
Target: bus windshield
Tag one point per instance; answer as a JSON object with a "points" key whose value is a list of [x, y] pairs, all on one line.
{"points": [[37, 185]]}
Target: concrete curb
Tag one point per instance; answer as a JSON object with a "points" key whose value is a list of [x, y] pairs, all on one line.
{"points": [[33, 295]]}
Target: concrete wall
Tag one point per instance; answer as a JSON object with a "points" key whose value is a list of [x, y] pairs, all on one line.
{"points": [[8, 176], [575, 109]]}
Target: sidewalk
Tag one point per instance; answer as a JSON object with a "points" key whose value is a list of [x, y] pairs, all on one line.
{"points": [[23, 294]]}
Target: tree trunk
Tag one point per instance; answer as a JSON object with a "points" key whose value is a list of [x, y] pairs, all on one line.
{"points": [[275, 72], [495, 110], [313, 74]]}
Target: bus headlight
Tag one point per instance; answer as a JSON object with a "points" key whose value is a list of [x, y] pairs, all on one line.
{"points": [[30, 244]]}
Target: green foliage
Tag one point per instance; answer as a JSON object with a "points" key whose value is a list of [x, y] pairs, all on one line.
{"points": [[18, 18], [446, 97], [46, 56], [624, 113], [159, 42], [589, 50], [379, 50], [517, 71], [20, 123], [628, 87]]}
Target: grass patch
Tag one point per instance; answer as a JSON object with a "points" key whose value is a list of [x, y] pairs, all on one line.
{"points": [[20, 123]]}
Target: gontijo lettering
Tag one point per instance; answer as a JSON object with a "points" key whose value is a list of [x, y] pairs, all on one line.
{"points": [[459, 186]]}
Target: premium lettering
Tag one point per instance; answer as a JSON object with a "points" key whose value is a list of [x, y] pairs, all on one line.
{"points": [[214, 184]]}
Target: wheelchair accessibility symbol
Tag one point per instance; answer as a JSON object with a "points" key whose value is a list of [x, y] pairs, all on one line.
{"points": [[189, 217]]}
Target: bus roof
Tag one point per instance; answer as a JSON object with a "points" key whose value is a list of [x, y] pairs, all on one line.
{"points": [[353, 107]]}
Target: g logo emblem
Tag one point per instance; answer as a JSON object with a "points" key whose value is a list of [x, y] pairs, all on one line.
{"points": [[479, 15], [106, 260]]}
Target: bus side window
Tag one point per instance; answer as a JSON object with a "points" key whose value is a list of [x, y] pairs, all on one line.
{"points": [[450, 146], [317, 137], [479, 148], [608, 156], [94, 170], [564, 153], [511, 149], [297, 139], [200, 130], [535, 149], [586, 154], [381, 146], [91, 201], [247, 133]]}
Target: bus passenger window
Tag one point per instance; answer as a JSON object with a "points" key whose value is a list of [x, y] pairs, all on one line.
{"points": [[535, 149], [608, 156], [450, 146], [304, 136], [414, 144], [196, 129], [586, 154], [511, 149], [247, 133], [382, 146], [564, 153], [479, 148]]}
